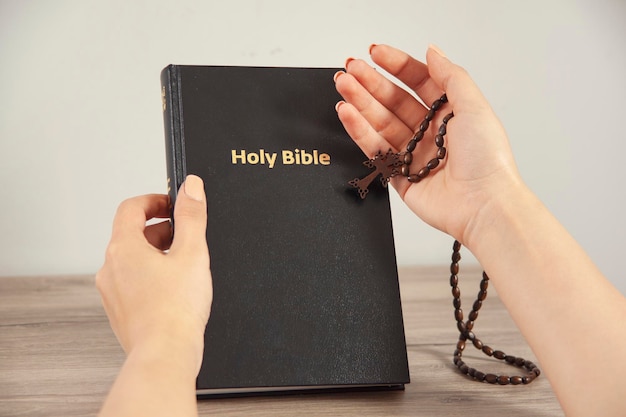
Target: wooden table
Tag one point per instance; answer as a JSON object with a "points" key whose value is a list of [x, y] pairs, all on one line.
{"points": [[58, 357]]}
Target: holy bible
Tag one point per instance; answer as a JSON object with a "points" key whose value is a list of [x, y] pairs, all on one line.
{"points": [[305, 280]]}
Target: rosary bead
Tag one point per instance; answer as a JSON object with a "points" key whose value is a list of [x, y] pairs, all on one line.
{"points": [[405, 170], [516, 380], [424, 125], [461, 326], [423, 173], [469, 325], [441, 153], [408, 158], [458, 314], [432, 164], [510, 359], [484, 284], [477, 305], [414, 178], [464, 368], [418, 135], [431, 113], [456, 303], [438, 103], [442, 130], [498, 354], [456, 293], [473, 315], [520, 362], [454, 280], [480, 376], [491, 378], [471, 336], [447, 117], [454, 269], [410, 147], [439, 141], [456, 257], [471, 372], [460, 345], [504, 380], [477, 344], [487, 350], [481, 295], [456, 246]]}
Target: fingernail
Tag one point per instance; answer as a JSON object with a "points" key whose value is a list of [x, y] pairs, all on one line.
{"points": [[348, 62], [339, 104], [437, 50], [194, 187], [337, 75], [372, 46]]}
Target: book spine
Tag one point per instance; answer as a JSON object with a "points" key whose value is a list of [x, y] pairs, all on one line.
{"points": [[174, 131]]}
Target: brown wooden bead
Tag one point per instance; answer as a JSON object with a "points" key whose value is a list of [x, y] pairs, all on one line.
{"points": [[410, 147], [456, 293], [418, 136], [491, 378], [487, 350], [510, 359], [460, 345], [456, 303], [408, 158], [461, 326], [469, 325], [441, 153], [516, 380], [477, 343], [405, 170], [456, 257], [414, 178], [423, 173], [477, 305], [432, 164], [442, 130], [458, 314], [447, 117], [471, 372], [456, 246], [481, 295], [464, 368], [504, 380], [520, 362], [439, 141], [454, 269], [437, 104], [498, 354], [424, 125], [480, 376], [431, 113], [473, 315]]}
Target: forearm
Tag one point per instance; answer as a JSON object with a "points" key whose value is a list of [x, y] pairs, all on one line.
{"points": [[566, 309], [157, 380]]}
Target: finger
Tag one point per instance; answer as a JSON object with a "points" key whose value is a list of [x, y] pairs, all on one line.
{"points": [[159, 235], [132, 214], [397, 100], [413, 73], [381, 119], [462, 92], [360, 130], [190, 216]]}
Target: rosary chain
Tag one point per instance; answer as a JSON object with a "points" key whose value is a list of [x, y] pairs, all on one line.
{"points": [[465, 327]]}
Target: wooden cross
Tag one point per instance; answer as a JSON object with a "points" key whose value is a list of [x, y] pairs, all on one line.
{"points": [[387, 165]]}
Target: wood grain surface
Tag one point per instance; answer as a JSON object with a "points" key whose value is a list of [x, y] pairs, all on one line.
{"points": [[58, 357]]}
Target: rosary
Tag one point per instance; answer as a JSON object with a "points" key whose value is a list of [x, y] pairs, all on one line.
{"points": [[391, 164]]}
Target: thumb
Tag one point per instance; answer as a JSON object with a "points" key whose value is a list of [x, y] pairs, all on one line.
{"points": [[190, 215], [462, 92]]}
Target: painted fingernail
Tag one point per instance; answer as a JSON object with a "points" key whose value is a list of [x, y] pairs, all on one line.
{"points": [[372, 46], [337, 75], [194, 187], [437, 50], [339, 104], [348, 62]]}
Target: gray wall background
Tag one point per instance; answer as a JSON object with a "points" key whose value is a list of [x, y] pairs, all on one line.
{"points": [[81, 125]]}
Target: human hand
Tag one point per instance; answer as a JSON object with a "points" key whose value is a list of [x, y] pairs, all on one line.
{"points": [[152, 296], [378, 114]]}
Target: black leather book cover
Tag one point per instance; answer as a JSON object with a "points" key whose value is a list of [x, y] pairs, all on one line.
{"points": [[305, 280]]}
